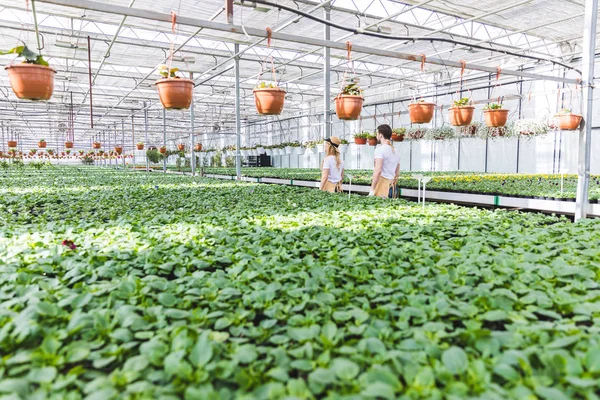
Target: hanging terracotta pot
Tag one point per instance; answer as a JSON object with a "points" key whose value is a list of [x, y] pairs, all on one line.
{"points": [[360, 141], [68, 145], [348, 107], [198, 147], [181, 147], [568, 122], [269, 101], [163, 150], [175, 93], [372, 141], [461, 116], [42, 144], [12, 143], [421, 112], [118, 149], [31, 81], [96, 145], [495, 118], [140, 146]]}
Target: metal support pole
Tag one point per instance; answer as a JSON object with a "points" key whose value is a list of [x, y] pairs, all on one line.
{"points": [[133, 139], [123, 142], [35, 24], [327, 76], [585, 134], [164, 138], [193, 161], [238, 122], [146, 134]]}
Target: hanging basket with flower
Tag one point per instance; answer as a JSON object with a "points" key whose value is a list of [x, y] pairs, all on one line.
{"points": [[421, 112], [33, 79], [175, 93], [494, 115], [461, 112], [349, 102], [269, 97], [68, 144], [567, 121]]}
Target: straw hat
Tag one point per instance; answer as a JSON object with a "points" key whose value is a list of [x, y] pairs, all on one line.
{"points": [[334, 141]]}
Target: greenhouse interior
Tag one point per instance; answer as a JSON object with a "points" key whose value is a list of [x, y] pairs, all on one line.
{"points": [[299, 199]]}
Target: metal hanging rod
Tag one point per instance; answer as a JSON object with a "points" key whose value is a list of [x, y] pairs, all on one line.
{"points": [[236, 29]]}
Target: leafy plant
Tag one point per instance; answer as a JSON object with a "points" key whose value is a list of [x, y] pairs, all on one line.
{"points": [[265, 85], [154, 156], [42, 141], [30, 56], [461, 103], [166, 73], [343, 141], [362, 135], [399, 131], [416, 133], [528, 127], [352, 89], [492, 106], [442, 133]]}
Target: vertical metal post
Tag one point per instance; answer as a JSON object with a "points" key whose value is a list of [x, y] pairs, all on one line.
{"points": [[164, 138], [520, 116], [90, 82], [327, 76], [114, 145], [123, 142], [193, 161], [585, 134], [133, 147], [146, 134], [238, 122]]}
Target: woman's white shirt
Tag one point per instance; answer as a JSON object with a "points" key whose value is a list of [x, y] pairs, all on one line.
{"points": [[335, 173], [390, 159]]}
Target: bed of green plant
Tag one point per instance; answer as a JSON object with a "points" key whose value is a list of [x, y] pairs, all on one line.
{"points": [[542, 186], [117, 285]]}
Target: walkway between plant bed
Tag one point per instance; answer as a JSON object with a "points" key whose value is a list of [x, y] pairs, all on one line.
{"points": [[466, 199]]}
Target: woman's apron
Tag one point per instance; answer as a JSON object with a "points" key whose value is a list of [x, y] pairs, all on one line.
{"points": [[333, 187], [383, 188]]}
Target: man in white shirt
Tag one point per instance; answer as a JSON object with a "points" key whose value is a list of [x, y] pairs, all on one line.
{"points": [[387, 164]]}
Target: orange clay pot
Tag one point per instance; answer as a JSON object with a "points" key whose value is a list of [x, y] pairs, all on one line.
{"points": [[31, 82], [68, 145], [42, 145], [12, 143], [348, 107], [495, 118], [175, 93], [568, 122], [139, 146], [461, 116], [269, 101], [360, 141], [421, 113]]}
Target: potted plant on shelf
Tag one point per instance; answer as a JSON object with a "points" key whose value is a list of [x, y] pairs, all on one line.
{"points": [[461, 112], [421, 112], [80, 152], [175, 93], [372, 139], [50, 152], [198, 147], [494, 115], [33, 79], [343, 147], [68, 152], [42, 144], [12, 143], [181, 147], [320, 146], [361, 138], [269, 98], [119, 150], [162, 150], [68, 144], [567, 121], [139, 145], [398, 134], [96, 145], [349, 102], [32, 151]]}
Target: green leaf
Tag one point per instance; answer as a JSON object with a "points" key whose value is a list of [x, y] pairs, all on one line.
{"points": [[202, 352], [455, 360], [548, 393], [41, 375], [167, 299], [592, 359], [246, 354], [379, 390], [344, 368]]}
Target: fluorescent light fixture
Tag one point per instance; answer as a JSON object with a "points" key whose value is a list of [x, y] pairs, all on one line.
{"points": [[384, 30], [185, 59], [68, 45], [251, 4]]}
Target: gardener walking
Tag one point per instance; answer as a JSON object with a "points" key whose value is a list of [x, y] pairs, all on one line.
{"points": [[333, 166], [387, 164]]}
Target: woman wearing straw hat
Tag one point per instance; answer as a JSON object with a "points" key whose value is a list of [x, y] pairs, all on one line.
{"points": [[333, 166], [387, 164]]}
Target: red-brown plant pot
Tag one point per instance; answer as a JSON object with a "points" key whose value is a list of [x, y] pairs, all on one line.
{"points": [[495, 118], [140, 146], [269, 101], [348, 107], [181, 147], [68, 145], [398, 138], [461, 116], [12, 143], [96, 145], [175, 93], [163, 150], [421, 113], [360, 141], [31, 82], [198, 147], [42, 145], [568, 122], [118, 149], [372, 142]]}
